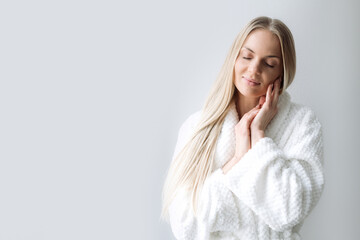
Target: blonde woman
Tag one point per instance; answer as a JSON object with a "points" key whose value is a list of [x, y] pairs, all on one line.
{"points": [[249, 164]]}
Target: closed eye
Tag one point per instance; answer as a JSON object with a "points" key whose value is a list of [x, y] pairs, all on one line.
{"points": [[269, 65], [246, 58]]}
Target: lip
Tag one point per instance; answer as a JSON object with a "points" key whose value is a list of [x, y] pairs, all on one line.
{"points": [[251, 82]]}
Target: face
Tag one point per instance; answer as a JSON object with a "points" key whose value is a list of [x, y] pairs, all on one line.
{"points": [[259, 63]]}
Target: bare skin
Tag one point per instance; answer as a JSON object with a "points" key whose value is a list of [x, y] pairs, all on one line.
{"points": [[258, 71]]}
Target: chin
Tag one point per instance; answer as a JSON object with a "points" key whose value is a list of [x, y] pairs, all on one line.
{"points": [[250, 92]]}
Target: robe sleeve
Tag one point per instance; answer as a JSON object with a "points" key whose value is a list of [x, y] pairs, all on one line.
{"points": [[217, 207], [282, 185]]}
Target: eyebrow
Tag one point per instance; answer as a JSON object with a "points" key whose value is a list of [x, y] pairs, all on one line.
{"points": [[270, 56]]}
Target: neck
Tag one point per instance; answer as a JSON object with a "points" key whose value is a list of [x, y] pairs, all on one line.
{"points": [[245, 104]]}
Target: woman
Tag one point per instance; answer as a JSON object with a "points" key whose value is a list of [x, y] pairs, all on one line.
{"points": [[249, 165]]}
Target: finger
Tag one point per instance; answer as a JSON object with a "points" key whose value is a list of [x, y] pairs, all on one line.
{"points": [[251, 117], [249, 114], [277, 91], [262, 100], [274, 85], [268, 94], [254, 112]]}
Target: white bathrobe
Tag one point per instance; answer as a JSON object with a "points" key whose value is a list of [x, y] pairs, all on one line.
{"points": [[269, 192]]}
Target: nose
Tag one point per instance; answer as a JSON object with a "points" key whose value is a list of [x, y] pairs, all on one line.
{"points": [[254, 67]]}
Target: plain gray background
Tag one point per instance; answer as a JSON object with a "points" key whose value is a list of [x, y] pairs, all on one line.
{"points": [[93, 93]]}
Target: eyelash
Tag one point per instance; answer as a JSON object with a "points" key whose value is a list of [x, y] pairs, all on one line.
{"points": [[265, 62]]}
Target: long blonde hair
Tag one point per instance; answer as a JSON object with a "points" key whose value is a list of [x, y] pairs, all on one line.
{"points": [[194, 163]]}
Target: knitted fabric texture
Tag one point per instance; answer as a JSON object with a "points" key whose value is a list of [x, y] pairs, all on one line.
{"points": [[269, 192]]}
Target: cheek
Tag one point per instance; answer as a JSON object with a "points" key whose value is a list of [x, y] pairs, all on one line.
{"points": [[267, 79], [270, 76], [239, 67]]}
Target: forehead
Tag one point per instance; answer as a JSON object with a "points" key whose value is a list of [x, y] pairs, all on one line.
{"points": [[263, 42]]}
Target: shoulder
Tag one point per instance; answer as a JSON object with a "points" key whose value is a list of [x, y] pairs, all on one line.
{"points": [[186, 130], [303, 134], [291, 111], [291, 116], [302, 114], [188, 126], [293, 119], [303, 125], [191, 121]]}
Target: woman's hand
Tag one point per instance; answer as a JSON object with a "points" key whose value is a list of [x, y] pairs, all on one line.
{"points": [[242, 132], [243, 137], [252, 125], [268, 110]]}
